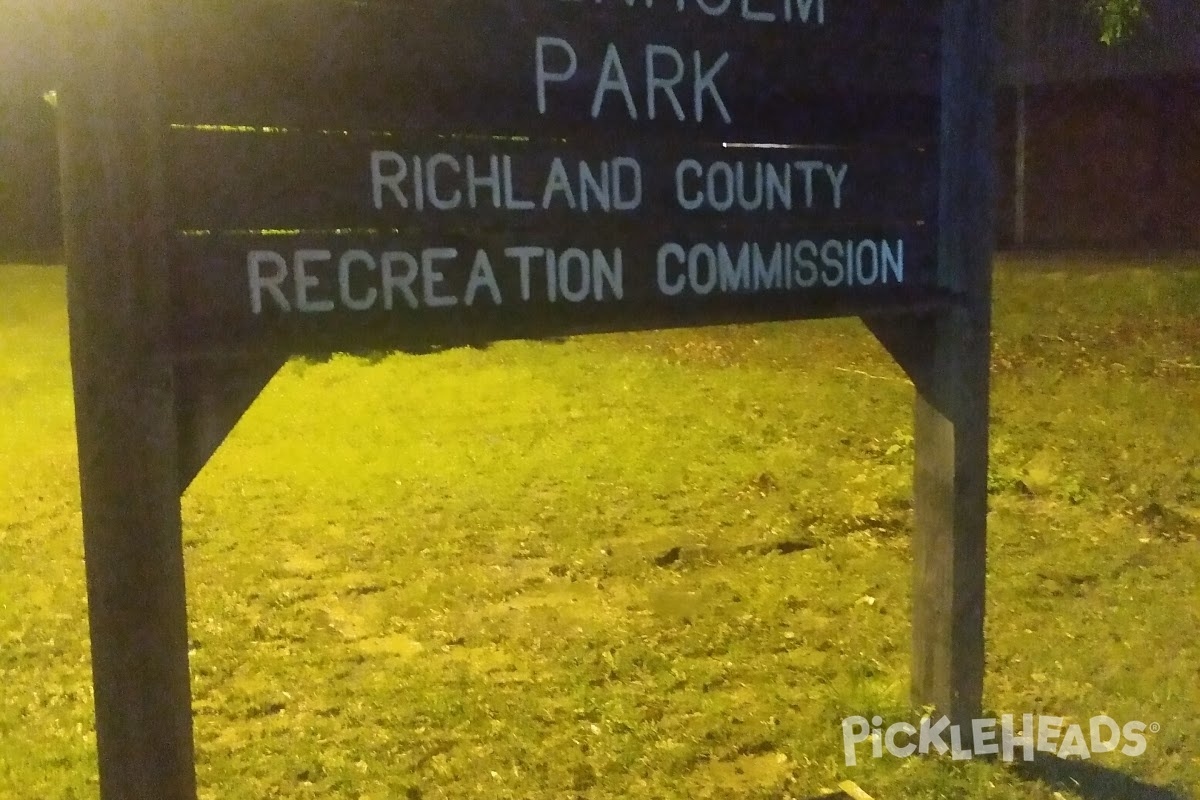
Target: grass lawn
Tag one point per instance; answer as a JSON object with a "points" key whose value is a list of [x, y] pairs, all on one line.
{"points": [[659, 565]]}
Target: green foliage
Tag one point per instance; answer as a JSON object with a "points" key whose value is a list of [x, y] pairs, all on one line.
{"points": [[1117, 18]]}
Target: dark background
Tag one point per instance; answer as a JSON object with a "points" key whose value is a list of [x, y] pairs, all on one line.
{"points": [[29, 200], [1109, 164]]}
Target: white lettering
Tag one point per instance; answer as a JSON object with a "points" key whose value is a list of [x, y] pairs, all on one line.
{"points": [[524, 255], [438, 202], [1049, 729], [804, 10], [706, 82], [481, 276], [734, 277], [348, 259], [598, 189], [714, 10], [768, 274], [558, 182], [1100, 744], [612, 77], [255, 260], [431, 276], [779, 187], [304, 281], [855, 730], [697, 200], [654, 82], [983, 737], [698, 254], [756, 16], [866, 278], [680, 255], [620, 200], [808, 167], [901, 751], [543, 75], [893, 260], [1074, 744], [492, 181], [1135, 732], [393, 282], [389, 180], [720, 186], [510, 202], [805, 275], [574, 257], [836, 177], [760, 185], [833, 274], [610, 274]]}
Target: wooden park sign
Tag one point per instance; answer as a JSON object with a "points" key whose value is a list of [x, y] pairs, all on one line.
{"points": [[245, 181]]}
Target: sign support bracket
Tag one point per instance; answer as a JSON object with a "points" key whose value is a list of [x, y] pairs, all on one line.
{"points": [[211, 396]]}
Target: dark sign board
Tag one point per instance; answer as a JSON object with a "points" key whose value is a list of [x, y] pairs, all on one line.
{"points": [[353, 175]]}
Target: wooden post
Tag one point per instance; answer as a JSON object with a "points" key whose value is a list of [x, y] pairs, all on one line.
{"points": [[118, 296], [947, 356], [951, 414], [1022, 126]]}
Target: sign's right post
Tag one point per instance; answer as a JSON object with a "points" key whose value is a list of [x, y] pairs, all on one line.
{"points": [[951, 414], [947, 356]]}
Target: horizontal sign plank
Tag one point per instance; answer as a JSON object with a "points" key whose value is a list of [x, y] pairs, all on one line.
{"points": [[255, 180], [732, 68], [351, 174], [346, 292]]}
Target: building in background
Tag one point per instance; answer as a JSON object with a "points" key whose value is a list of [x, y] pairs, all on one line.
{"points": [[1099, 145]]}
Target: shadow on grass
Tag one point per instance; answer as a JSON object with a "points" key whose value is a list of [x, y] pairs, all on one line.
{"points": [[1091, 781]]}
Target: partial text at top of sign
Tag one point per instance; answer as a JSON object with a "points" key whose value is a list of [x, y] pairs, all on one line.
{"points": [[750, 70]]}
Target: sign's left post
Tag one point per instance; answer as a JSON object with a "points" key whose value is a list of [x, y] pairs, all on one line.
{"points": [[117, 240]]}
